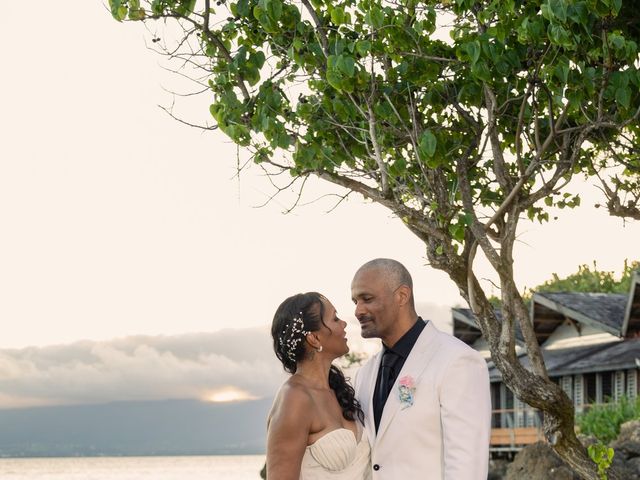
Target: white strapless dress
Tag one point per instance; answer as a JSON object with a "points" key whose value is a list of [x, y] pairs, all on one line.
{"points": [[338, 455]]}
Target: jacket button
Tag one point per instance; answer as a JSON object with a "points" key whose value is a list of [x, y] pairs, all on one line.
{"points": [[376, 467]]}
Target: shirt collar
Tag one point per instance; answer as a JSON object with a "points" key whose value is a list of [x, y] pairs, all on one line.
{"points": [[407, 341]]}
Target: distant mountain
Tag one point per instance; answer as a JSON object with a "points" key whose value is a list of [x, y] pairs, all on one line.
{"points": [[170, 427]]}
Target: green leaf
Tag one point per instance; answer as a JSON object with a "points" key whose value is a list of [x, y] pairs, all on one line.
{"points": [[559, 9], [274, 9], [122, 13], [579, 13], [562, 70], [559, 35], [334, 79], [347, 65], [481, 70], [457, 231], [187, 6], [115, 5], [428, 143], [375, 17], [137, 14], [616, 5], [473, 50], [363, 47], [243, 8], [623, 96], [257, 59], [337, 15], [118, 10], [616, 41], [260, 13]]}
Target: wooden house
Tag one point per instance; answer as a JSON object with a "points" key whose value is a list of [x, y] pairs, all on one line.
{"points": [[591, 346]]}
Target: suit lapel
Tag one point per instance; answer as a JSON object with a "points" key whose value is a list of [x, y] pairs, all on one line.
{"points": [[419, 358]]}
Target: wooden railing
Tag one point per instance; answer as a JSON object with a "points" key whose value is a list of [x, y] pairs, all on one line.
{"points": [[512, 429], [515, 429]]}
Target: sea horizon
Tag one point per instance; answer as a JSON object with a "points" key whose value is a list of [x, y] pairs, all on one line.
{"points": [[110, 455], [149, 467]]}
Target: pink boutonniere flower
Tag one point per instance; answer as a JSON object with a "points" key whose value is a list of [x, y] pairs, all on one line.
{"points": [[406, 391]]}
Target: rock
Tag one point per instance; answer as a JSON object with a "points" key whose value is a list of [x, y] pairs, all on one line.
{"points": [[627, 445], [498, 468], [630, 431], [538, 462], [626, 450], [587, 440], [634, 465], [624, 468]]}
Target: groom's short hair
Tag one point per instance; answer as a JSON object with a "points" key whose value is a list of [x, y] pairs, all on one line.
{"points": [[395, 273]]}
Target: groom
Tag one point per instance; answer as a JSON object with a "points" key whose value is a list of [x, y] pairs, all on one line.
{"points": [[425, 396]]}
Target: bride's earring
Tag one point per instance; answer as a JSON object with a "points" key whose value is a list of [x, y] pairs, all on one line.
{"points": [[319, 349]]}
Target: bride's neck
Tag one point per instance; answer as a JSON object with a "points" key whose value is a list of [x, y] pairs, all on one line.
{"points": [[315, 372]]}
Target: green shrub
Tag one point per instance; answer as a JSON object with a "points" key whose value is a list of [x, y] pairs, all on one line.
{"points": [[603, 421], [602, 456]]}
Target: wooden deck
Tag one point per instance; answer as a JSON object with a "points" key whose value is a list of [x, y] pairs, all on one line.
{"points": [[511, 437], [501, 437]]}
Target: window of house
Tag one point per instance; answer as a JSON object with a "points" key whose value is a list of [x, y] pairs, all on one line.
{"points": [[507, 420], [589, 387], [566, 383], [632, 383], [532, 419], [578, 392], [496, 405], [607, 390], [618, 385], [519, 407]]}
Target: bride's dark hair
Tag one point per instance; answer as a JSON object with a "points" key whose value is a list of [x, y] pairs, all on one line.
{"points": [[296, 316]]}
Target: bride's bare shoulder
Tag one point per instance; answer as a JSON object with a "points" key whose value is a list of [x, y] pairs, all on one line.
{"points": [[292, 400]]}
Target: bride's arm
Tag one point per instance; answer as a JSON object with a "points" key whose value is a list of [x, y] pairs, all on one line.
{"points": [[288, 433]]}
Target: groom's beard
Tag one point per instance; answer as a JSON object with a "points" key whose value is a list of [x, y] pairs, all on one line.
{"points": [[368, 327]]}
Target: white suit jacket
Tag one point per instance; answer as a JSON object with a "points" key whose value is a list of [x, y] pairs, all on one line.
{"points": [[444, 433]]}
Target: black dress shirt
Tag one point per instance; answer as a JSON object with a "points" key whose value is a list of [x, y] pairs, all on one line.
{"points": [[400, 352]]}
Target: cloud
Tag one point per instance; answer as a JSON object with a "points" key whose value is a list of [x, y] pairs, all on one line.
{"points": [[227, 364], [141, 368]]}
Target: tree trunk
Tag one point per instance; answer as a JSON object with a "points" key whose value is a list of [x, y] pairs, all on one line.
{"points": [[535, 389]]}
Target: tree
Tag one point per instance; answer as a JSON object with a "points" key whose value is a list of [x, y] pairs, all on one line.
{"points": [[461, 138], [584, 280], [592, 281]]}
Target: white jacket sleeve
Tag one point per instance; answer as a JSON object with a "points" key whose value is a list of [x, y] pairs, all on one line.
{"points": [[465, 403]]}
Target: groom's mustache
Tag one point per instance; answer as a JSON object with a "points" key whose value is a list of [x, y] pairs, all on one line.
{"points": [[365, 318]]}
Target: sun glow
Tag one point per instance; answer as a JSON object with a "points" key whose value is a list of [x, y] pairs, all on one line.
{"points": [[228, 394]]}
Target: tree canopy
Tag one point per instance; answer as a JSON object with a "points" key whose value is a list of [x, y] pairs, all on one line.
{"points": [[585, 280], [460, 116], [592, 280]]}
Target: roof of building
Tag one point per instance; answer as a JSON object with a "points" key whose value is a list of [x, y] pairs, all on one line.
{"points": [[465, 325], [605, 311], [617, 314], [617, 355]]}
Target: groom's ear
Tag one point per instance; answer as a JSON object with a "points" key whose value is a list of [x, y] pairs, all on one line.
{"points": [[403, 295]]}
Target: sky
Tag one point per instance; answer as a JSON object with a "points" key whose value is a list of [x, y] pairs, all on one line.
{"points": [[124, 232]]}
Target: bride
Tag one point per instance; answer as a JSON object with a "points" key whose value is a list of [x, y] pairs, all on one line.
{"points": [[315, 425]]}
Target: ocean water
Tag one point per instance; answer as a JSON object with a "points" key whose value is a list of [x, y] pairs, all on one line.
{"points": [[215, 467]]}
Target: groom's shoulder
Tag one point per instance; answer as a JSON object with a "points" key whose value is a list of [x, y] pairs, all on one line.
{"points": [[455, 347]]}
